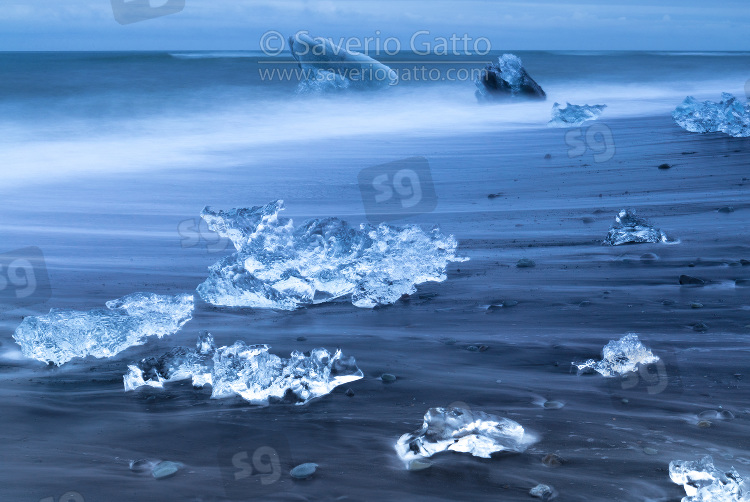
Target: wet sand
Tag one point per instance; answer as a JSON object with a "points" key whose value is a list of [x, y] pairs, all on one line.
{"points": [[73, 429]]}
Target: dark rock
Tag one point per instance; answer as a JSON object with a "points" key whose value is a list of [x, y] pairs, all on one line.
{"points": [[525, 263], [726, 209], [665, 166], [350, 392], [547, 157], [687, 280]]}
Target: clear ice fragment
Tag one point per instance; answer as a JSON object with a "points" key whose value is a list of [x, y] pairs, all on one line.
{"points": [[619, 357], [703, 482], [730, 116], [282, 267], [465, 431], [248, 371], [574, 115], [65, 334], [629, 228]]}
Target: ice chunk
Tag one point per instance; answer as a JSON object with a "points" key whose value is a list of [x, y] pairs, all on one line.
{"points": [[574, 115], [331, 67], [620, 357], [65, 334], [704, 483], [730, 116], [248, 371], [322, 82], [283, 267], [507, 79], [629, 228], [465, 431]]}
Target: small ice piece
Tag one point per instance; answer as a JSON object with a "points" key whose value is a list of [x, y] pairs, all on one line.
{"points": [[507, 79], [65, 334], [329, 67], [730, 116], [465, 431], [629, 228], [619, 357], [704, 483], [574, 115], [282, 267], [248, 371]]}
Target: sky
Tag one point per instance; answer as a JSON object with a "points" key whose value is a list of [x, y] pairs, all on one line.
{"points": [[688, 25]]}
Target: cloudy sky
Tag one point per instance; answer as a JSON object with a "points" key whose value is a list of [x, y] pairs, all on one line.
{"points": [[239, 24]]}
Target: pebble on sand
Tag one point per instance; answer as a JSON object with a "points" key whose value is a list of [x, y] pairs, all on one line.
{"points": [[303, 471], [650, 451], [553, 405], [388, 378], [726, 209], [687, 280], [552, 460], [665, 166], [419, 465], [540, 491], [700, 327], [525, 263], [165, 469]]}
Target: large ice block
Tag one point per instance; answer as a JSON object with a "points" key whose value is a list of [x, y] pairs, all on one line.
{"points": [[65, 334], [461, 430], [703, 482], [330, 67], [248, 371], [730, 116], [620, 357], [507, 79], [282, 267]]}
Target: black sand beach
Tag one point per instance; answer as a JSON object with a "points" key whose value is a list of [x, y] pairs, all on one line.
{"points": [[73, 429]]}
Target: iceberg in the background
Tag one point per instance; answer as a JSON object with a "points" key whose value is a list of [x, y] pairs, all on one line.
{"points": [[574, 115], [65, 334], [282, 267], [704, 483], [629, 228], [619, 357], [730, 116], [465, 431], [330, 67], [248, 371], [507, 79]]}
